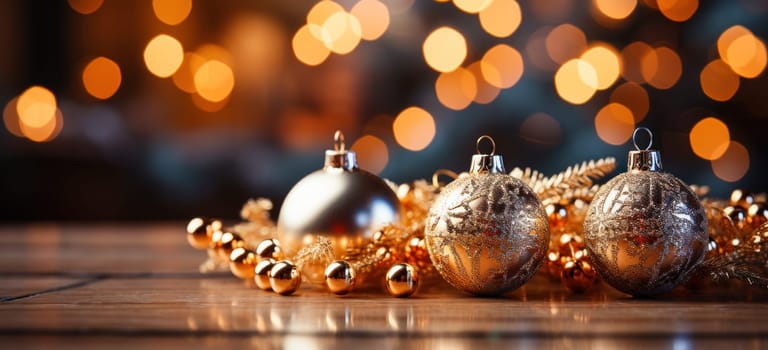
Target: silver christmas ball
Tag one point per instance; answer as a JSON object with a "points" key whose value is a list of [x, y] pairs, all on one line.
{"points": [[645, 230], [487, 233], [340, 201]]}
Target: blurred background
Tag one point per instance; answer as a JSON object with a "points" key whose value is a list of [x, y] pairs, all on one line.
{"points": [[166, 109]]}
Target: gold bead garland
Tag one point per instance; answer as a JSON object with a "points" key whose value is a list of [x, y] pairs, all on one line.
{"points": [[397, 254]]}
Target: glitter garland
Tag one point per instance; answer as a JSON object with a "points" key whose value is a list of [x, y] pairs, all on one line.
{"points": [[738, 233]]}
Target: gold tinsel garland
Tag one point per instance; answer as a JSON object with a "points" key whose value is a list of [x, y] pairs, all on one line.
{"points": [[738, 231]]}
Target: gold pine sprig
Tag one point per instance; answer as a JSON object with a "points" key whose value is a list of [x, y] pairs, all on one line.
{"points": [[576, 181]]}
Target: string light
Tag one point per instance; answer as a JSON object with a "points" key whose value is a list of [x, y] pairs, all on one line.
{"points": [[718, 81], [102, 78], [163, 55], [710, 138], [500, 18], [576, 81], [414, 128], [172, 12], [614, 124], [733, 164], [634, 97], [85, 7], [372, 153], [456, 89], [445, 49]]}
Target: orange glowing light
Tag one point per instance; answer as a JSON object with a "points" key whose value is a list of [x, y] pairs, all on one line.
{"points": [[45, 132], [632, 56], [727, 38], [445, 49], [502, 66], [11, 118], [208, 106], [472, 6], [486, 92], [709, 138], [163, 55], [536, 50], [345, 32], [615, 9], [678, 10], [605, 61], [373, 16], [36, 107], [733, 164], [634, 97], [747, 56], [565, 42], [172, 12], [718, 81], [85, 7], [541, 128], [414, 128], [456, 89], [500, 18], [614, 124], [663, 69], [321, 11], [576, 81], [214, 81], [102, 77], [184, 78], [307, 48], [372, 153]]}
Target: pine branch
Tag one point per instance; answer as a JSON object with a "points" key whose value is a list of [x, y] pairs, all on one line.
{"points": [[576, 181]]}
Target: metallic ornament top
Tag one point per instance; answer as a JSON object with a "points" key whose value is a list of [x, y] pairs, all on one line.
{"points": [[487, 232], [645, 230], [340, 201]]}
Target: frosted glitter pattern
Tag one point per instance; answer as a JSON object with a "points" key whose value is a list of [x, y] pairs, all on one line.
{"points": [[645, 231], [487, 233]]}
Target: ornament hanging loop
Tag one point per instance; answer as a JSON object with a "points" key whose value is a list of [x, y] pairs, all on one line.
{"points": [[446, 172], [339, 158], [650, 138], [490, 139], [645, 159], [338, 141]]}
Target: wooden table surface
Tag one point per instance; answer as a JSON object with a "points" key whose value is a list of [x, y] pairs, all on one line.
{"points": [[129, 286]]}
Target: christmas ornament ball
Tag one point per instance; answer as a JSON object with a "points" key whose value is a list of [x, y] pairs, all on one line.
{"points": [[487, 232], [340, 201], [645, 230]]}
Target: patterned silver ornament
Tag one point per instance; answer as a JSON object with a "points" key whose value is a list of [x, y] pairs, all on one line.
{"points": [[645, 230], [487, 232]]}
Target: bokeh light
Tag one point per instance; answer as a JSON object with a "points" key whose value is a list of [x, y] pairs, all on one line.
{"points": [[662, 69], [605, 61], [172, 12], [632, 56], [85, 7], [615, 9], [102, 78], [445, 49], [45, 132], [733, 164], [414, 128], [614, 124], [36, 107], [727, 37], [746, 55], [163, 55], [542, 129], [373, 16], [456, 89], [502, 66], [677, 10], [309, 49], [344, 32], [486, 92], [372, 153], [718, 81], [214, 80], [709, 138], [565, 42], [576, 81], [472, 6], [11, 118], [207, 105], [536, 50], [500, 18], [184, 78], [634, 97]]}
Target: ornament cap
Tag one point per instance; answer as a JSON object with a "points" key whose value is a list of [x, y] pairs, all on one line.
{"points": [[339, 157], [487, 162], [646, 159]]}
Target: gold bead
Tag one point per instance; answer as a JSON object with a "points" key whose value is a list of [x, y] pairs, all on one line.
{"points": [[199, 231], [261, 273], [402, 280], [578, 275], [340, 277], [284, 277], [242, 262], [229, 241], [269, 249]]}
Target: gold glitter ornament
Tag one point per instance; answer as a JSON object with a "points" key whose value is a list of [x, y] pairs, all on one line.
{"points": [[284, 277], [242, 262], [340, 277], [645, 230], [487, 232], [402, 280], [340, 202], [261, 273]]}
